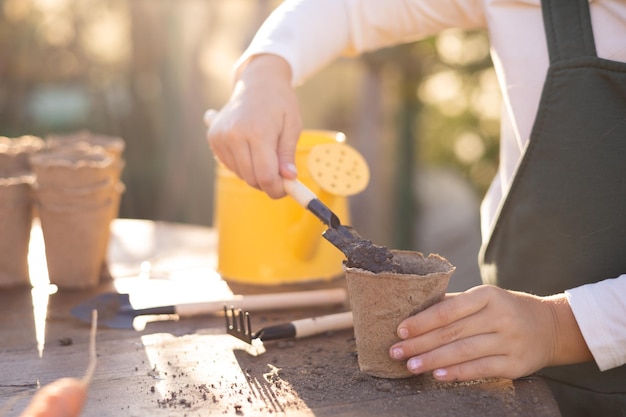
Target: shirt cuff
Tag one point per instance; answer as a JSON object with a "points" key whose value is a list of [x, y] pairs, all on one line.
{"points": [[600, 311]]}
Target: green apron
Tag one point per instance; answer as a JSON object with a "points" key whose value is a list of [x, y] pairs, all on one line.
{"points": [[563, 221]]}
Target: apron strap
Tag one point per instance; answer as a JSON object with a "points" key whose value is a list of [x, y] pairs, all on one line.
{"points": [[568, 29]]}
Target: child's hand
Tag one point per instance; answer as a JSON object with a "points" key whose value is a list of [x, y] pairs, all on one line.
{"points": [[490, 332], [256, 132]]}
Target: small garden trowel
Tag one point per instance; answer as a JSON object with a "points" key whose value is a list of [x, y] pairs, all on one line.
{"points": [[340, 170], [360, 253]]}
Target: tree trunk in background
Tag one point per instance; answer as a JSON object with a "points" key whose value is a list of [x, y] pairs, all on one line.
{"points": [[143, 127], [404, 208], [172, 178], [386, 212], [371, 210], [188, 174]]}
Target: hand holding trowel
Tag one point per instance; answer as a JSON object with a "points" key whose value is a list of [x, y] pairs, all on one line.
{"points": [[339, 170]]}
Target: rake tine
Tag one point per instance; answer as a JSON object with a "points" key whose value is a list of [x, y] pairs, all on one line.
{"points": [[227, 318], [238, 324], [234, 315], [242, 325]]}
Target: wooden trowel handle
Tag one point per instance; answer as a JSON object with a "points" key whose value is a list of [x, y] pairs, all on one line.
{"points": [[275, 301], [299, 192]]}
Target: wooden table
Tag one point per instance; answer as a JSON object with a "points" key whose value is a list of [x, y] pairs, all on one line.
{"points": [[190, 367]]}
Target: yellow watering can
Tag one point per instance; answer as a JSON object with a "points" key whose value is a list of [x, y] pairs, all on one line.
{"points": [[265, 241]]}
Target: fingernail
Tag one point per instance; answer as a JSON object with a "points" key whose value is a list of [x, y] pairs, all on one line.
{"points": [[403, 332], [209, 117], [397, 353], [440, 373], [415, 365], [291, 168]]}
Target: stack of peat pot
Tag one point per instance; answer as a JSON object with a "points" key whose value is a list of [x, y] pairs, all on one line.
{"points": [[16, 209], [77, 193]]}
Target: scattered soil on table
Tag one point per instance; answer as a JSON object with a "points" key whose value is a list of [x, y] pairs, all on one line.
{"points": [[303, 374]]}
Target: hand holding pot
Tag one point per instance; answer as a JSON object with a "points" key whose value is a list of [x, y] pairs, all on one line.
{"points": [[490, 332]]}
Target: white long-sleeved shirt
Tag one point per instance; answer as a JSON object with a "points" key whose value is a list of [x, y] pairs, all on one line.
{"points": [[311, 33]]}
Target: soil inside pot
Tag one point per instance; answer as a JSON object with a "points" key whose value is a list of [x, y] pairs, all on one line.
{"points": [[366, 255]]}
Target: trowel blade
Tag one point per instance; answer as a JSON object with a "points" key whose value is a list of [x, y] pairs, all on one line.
{"points": [[343, 237], [361, 253]]}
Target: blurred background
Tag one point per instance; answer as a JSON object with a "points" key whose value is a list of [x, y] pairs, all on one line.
{"points": [[424, 115]]}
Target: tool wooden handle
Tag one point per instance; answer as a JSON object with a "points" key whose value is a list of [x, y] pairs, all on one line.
{"points": [[273, 301], [300, 192], [322, 324]]}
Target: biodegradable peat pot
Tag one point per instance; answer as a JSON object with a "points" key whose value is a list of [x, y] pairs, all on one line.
{"points": [[80, 166], [113, 145], [76, 241], [16, 216], [16, 190], [90, 196], [15, 153], [381, 301]]}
